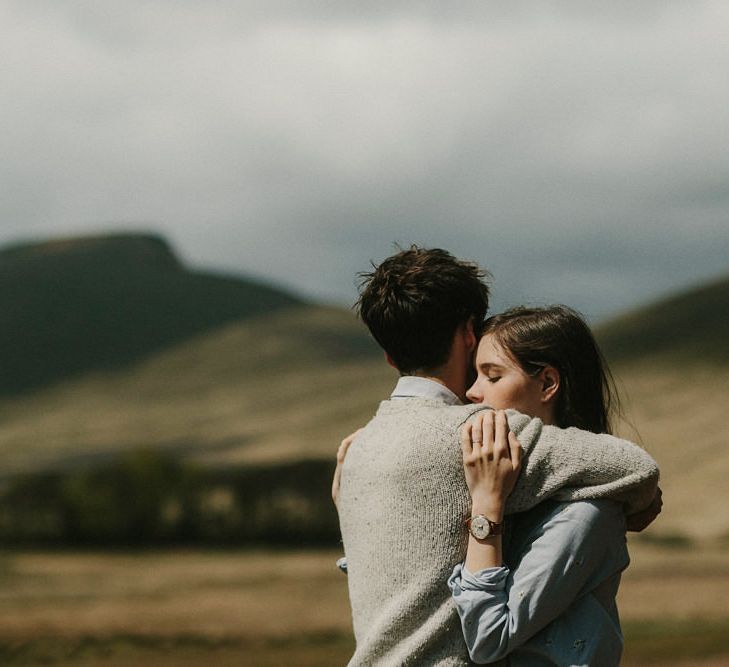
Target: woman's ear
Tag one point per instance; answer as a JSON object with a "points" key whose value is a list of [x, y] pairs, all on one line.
{"points": [[550, 383]]}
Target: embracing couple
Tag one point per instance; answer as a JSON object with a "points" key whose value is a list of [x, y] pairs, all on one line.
{"points": [[483, 509]]}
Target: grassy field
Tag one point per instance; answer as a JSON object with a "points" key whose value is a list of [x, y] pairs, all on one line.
{"points": [[679, 416], [192, 608]]}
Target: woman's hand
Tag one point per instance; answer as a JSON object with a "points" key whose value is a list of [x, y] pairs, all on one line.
{"points": [[491, 462], [341, 454]]}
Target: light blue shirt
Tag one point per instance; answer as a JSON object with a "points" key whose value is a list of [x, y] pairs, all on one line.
{"points": [[553, 602], [412, 386]]}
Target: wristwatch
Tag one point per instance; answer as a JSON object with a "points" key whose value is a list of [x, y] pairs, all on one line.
{"points": [[481, 527]]}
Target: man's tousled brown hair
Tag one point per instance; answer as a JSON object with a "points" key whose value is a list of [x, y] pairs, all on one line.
{"points": [[414, 301]]}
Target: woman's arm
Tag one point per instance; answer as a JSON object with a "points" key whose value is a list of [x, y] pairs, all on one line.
{"points": [[491, 462], [573, 549]]}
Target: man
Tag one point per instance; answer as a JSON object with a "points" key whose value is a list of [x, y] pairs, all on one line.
{"points": [[403, 499]]}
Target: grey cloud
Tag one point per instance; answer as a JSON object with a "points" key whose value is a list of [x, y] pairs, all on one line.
{"points": [[575, 150], [90, 14]]}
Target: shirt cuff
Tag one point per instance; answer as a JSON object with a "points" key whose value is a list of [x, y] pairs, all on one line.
{"points": [[488, 579]]}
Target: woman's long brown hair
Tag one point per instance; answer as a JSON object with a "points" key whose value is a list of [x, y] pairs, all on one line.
{"points": [[558, 336]]}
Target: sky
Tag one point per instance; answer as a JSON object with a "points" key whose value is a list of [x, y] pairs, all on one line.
{"points": [[577, 150]]}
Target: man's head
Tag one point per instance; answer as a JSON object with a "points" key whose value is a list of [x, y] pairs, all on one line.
{"points": [[414, 303]]}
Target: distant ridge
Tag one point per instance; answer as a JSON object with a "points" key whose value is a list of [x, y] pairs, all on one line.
{"points": [[692, 326], [72, 305], [119, 249]]}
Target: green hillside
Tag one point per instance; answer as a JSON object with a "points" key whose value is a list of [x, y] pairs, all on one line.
{"points": [[281, 386], [691, 327], [671, 361], [74, 305]]}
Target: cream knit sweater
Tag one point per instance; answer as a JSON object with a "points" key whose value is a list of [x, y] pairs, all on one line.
{"points": [[402, 506]]}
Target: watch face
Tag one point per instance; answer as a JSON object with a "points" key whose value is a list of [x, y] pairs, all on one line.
{"points": [[480, 527]]}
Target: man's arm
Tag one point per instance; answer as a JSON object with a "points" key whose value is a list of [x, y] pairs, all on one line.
{"points": [[570, 464], [639, 521]]}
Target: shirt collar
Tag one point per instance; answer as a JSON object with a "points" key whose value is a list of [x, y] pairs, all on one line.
{"points": [[411, 386]]}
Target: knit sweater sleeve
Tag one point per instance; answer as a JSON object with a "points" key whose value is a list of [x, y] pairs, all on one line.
{"points": [[570, 464]]}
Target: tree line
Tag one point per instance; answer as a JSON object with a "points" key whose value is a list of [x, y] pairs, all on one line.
{"points": [[146, 498]]}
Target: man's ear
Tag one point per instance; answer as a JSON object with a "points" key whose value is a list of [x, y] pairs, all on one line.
{"points": [[550, 383], [471, 339], [390, 361]]}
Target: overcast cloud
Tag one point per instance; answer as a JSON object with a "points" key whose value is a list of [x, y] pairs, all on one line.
{"points": [[576, 149]]}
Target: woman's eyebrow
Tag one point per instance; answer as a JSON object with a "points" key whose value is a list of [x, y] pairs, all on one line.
{"points": [[488, 365]]}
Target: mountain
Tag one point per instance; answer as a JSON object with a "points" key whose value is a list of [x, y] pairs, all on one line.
{"points": [[70, 306], [688, 327], [109, 343]]}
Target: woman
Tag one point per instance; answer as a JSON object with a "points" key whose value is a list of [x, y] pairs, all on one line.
{"points": [[554, 603], [543, 593]]}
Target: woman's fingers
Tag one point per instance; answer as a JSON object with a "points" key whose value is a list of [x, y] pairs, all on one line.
{"points": [[506, 444], [489, 435], [477, 433], [489, 470], [341, 455], [480, 436], [344, 446], [474, 434], [336, 482], [501, 435], [466, 439], [342, 450], [515, 451]]}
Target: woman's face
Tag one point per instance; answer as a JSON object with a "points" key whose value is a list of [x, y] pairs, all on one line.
{"points": [[501, 383]]}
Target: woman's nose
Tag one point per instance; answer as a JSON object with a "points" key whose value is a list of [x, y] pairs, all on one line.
{"points": [[473, 394]]}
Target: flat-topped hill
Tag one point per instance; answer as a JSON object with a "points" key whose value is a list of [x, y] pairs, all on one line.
{"points": [[69, 306]]}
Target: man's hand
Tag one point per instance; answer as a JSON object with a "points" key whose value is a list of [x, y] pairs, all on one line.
{"points": [[491, 462], [641, 520], [341, 454]]}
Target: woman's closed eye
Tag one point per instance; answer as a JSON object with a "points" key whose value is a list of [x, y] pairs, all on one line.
{"points": [[494, 378]]}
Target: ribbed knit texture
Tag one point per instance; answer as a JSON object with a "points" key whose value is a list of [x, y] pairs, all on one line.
{"points": [[403, 503]]}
